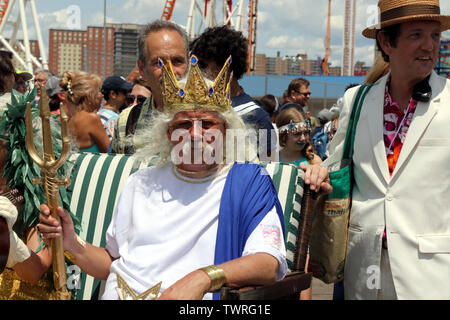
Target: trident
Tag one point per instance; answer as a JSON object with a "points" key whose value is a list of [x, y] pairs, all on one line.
{"points": [[49, 165]]}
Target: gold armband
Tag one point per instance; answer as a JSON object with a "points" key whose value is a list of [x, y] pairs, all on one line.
{"points": [[70, 256], [217, 276]]}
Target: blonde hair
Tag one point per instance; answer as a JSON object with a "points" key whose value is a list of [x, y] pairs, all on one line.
{"points": [[82, 88], [379, 69]]}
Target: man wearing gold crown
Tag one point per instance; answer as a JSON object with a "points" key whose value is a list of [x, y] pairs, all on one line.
{"points": [[399, 233], [195, 221]]}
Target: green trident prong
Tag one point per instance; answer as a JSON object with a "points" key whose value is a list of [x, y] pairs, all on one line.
{"points": [[50, 181]]}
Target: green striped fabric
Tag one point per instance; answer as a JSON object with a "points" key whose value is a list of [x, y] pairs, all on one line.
{"points": [[288, 181], [96, 183], [98, 180]]}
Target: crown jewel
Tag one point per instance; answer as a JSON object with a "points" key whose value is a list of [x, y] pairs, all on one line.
{"points": [[196, 94]]}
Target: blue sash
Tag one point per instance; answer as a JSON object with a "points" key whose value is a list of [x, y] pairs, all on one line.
{"points": [[248, 195]]}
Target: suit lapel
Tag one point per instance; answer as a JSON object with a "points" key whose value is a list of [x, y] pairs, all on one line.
{"points": [[423, 115], [375, 105]]}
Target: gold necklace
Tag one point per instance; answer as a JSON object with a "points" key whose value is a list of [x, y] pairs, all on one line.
{"points": [[215, 176]]}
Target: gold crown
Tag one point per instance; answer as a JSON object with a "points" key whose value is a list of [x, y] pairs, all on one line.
{"points": [[196, 94]]}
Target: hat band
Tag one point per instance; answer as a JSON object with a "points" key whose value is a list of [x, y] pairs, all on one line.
{"points": [[409, 10]]}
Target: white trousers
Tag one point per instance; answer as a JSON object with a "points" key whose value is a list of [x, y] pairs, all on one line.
{"points": [[387, 289]]}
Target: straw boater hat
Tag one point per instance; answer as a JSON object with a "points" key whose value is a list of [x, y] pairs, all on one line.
{"points": [[399, 11]]}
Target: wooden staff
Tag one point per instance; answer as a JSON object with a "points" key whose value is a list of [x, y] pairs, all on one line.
{"points": [[305, 226], [50, 181]]}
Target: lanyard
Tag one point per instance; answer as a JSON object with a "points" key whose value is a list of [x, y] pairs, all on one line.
{"points": [[400, 125]]}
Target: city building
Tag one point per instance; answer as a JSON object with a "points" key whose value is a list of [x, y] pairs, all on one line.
{"points": [[100, 61], [335, 71], [66, 51], [361, 69], [125, 48], [84, 50], [443, 64], [260, 64], [289, 65], [300, 65]]}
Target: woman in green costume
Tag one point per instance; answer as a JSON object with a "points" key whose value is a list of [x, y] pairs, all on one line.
{"points": [[28, 272]]}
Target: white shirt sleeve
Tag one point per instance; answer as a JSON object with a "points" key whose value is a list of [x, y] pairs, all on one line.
{"points": [[117, 231], [268, 238]]}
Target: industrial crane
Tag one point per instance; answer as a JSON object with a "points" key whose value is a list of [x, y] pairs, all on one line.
{"points": [[252, 14], [325, 70], [168, 10], [3, 7]]}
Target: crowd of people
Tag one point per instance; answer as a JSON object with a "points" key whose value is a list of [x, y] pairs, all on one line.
{"points": [[227, 212]]}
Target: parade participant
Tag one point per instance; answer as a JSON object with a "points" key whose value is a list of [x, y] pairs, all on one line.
{"points": [[398, 235], [28, 275], [115, 90], [226, 214], [295, 143], [159, 39], [19, 252], [212, 48], [82, 90]]}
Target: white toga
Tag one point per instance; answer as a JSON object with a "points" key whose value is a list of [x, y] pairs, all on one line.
{"points": [[164, 228]]}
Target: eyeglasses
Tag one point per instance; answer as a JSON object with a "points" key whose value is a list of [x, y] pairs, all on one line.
{"points": [[133, 99], [305, 94], [39, 80]]}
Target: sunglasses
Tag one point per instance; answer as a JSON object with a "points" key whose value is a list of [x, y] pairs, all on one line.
{"points": [[132, 99], [305, 94]]}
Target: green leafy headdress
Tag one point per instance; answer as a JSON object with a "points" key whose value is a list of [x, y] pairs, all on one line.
{"points": [[19, 168]]}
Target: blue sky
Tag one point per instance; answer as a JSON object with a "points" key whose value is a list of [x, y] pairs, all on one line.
{"points": [[288, 26]]}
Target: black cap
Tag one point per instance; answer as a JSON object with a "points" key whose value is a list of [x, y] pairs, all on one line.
{"points": [[116, 83]]}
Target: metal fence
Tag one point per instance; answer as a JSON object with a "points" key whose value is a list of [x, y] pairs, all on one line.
{"points": [[325, 88]]}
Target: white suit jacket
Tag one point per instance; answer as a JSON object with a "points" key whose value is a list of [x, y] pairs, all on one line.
{"points": [[413, 204]]}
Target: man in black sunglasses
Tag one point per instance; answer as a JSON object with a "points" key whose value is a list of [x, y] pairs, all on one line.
{"points": [[298, 92], [140, 92]]}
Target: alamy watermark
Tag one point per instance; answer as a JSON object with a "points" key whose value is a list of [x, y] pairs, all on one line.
{"points": [[73, 17], [373, 280], [373, 16]]}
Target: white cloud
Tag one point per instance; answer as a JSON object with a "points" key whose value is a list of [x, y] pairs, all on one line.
{"points": [[285, 42], [288, 26]]}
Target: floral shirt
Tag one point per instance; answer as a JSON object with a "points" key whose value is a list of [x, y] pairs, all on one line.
{"points": [[396, 125]]}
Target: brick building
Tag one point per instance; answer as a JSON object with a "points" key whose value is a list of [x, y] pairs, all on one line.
{"points": [[81, 50]]}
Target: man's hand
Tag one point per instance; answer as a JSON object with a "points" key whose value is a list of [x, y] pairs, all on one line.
{"points": [[191, 287], [318, 178], [50, 228]]}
